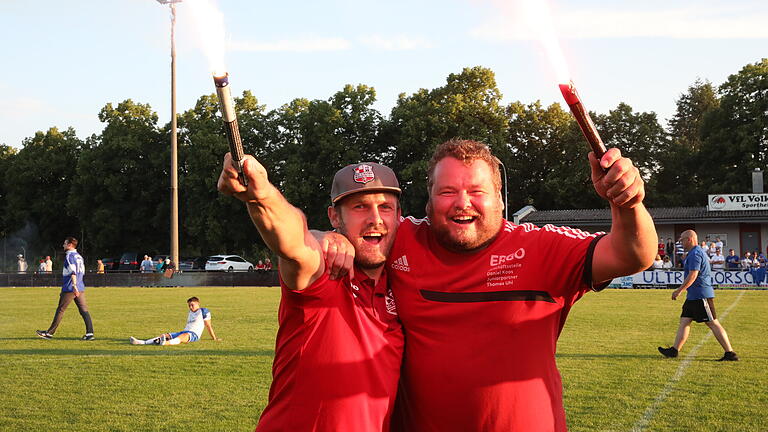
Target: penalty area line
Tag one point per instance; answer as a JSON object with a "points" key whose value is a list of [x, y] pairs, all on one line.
{"points": [[645, 420]]}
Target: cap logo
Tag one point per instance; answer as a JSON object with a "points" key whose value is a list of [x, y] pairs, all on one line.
{"points": [[364, 174]]}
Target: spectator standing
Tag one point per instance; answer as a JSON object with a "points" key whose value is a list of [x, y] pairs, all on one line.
{"points": [[717, 261], [699, 303], [72, 288], [705, 247], [746, 261], [670, 249], [719, 244], [146, 265], [679, 251], [41, 267], [22, 263], [667, 264], [99, 266], [658, 263], [48, 264], [732, 260], [712, 250], [662, 247]]}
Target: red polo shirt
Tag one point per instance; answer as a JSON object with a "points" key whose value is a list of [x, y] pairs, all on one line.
{"points": [[337, 358]]}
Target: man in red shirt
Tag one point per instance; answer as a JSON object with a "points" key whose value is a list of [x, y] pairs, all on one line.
{"points": [[339, 344], [483, 301]]}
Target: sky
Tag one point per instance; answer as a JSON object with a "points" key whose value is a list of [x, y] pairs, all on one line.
{"points": [[64, 60]]}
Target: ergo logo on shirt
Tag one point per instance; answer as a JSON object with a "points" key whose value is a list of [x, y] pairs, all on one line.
{"points": [[501, 259]]}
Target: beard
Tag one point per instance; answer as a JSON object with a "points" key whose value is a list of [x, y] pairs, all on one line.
{"points": [[367, 255], [476, 236]]}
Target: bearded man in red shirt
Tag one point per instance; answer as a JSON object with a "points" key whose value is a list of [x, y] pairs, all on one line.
{"points": [[483, 301]]}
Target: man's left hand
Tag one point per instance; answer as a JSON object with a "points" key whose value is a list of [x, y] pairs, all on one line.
{"points": [[617, 180]]}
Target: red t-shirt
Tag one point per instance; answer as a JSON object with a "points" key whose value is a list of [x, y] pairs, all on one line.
{"points": [[337, 358], [481, 328]]}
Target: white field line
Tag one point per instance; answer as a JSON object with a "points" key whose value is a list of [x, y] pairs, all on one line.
{"points": [[642, 424]]}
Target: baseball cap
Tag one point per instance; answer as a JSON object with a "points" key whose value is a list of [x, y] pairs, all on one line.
{"points": [[363, 177]]}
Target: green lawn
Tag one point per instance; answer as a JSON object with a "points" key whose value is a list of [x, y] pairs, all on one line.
{"points": [[613, 377]]}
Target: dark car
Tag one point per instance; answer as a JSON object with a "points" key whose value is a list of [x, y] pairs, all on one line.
{"points": [[110, 264], [129, 261]]}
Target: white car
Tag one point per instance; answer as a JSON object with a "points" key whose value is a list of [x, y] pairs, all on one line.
{"points": [[227, 263]]}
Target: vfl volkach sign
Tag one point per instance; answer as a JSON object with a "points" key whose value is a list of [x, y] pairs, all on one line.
{"points": [[738, 202]]}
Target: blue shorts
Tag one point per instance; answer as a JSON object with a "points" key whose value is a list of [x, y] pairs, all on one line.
{"points": [[193, 337]]}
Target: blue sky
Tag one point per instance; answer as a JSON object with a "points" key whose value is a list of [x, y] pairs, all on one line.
{"points": [[63, 61]]}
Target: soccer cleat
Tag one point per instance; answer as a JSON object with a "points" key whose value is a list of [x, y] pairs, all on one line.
{"points": [[44, 334], [135, 341], [87, 337], [670, 352], [729, 356]]}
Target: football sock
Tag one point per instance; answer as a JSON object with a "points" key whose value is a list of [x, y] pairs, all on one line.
{"points": [[174, 341]]}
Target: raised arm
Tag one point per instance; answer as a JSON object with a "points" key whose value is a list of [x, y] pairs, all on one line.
{"points": [[282, 226], [630, 246]]}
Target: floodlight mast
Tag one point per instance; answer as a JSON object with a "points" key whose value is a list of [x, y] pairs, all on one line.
{"points": [[174, 147]]}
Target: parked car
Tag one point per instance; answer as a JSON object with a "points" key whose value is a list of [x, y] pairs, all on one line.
{"points": [[227, 263], [200, 263], [186, 263], [129, 261], [110, 264]]}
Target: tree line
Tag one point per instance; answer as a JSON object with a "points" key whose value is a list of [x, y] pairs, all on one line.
{"points": [[112, 188]]}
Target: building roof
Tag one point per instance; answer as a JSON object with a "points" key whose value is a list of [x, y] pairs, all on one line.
{"points": [[661, 216]]}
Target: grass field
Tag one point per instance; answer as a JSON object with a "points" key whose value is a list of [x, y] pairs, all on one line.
{"points": [[613, 377]]}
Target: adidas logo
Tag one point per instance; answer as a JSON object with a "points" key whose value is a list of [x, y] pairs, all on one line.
{"points": [[401, 264]]}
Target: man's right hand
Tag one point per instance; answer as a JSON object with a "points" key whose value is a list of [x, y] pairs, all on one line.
{"points": [[258, 182]]}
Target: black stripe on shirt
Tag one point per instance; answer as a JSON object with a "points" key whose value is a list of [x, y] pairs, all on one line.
{"points": [[486, 296]]}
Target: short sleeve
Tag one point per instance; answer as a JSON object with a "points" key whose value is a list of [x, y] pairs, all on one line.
{"points": [[693, 262], [206, 314]]}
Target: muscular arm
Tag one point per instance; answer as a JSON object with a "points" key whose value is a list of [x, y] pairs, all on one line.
{"points": [[282, 226], [631, 245]]}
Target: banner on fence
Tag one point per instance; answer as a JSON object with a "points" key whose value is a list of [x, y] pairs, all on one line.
{"points": [[674, 278]]}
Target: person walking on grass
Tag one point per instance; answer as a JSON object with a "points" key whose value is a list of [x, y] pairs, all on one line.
{"points": [[199, 318], [72, 288], [699, 303]]}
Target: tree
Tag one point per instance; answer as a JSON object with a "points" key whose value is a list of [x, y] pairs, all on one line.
{"points": [[677, 182], [318, 137], [467, 106], [7, 156], [547, 159], [638, 135], [120, 193], [735, 134], [210, 222], [38, 184]]}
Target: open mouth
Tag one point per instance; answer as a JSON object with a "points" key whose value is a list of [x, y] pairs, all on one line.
{"points": [[463, 219], [373, 238]]}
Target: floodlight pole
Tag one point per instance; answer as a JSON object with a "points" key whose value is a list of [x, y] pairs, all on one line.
{"points": [[174, 147]]}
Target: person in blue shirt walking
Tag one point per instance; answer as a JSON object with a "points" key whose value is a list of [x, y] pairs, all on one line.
{"points": [[699, 303], [72, 288]]}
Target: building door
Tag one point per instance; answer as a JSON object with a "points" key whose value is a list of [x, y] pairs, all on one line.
{"points": [[749, 234], [679, 228]]}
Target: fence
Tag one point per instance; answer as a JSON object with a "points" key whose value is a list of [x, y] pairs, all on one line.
{"points": [[130, 279]]}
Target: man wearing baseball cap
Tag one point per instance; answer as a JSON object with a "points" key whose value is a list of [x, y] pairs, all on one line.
{"points": [[339, 345]]}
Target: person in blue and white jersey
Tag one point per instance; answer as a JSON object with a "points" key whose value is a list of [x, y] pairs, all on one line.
{"points": [[199, 318], [72, 288]]}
